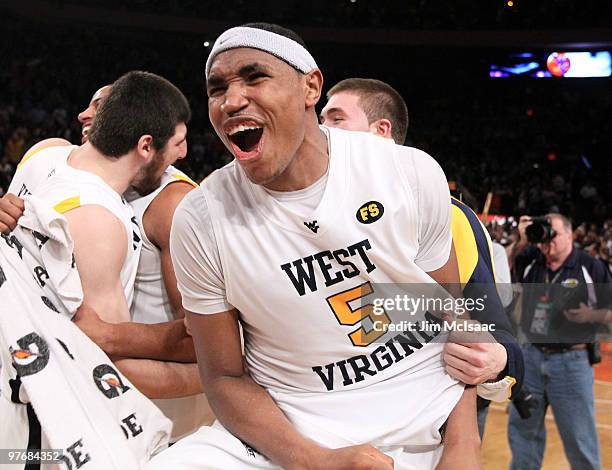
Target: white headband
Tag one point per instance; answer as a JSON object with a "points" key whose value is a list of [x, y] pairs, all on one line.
{"points": [[280, 46]]}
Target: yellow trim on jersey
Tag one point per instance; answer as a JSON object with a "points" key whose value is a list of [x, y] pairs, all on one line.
{"points": [[185, 178], [68, 204], [510, 387], [29, 154], [465, 244]]}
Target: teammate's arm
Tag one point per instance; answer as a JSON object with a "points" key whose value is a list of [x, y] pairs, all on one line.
{"points": [[167, 341], [157, 222], [11, 209], [472, 358], [476, 357], [156, 379], [461, 438], [100, 248], [161, 379]]}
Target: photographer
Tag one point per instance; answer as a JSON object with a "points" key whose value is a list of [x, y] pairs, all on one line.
{"points": [[558, 280]]}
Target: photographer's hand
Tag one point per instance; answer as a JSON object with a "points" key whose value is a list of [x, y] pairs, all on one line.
{"points": [[519, 245], [524, 222], [585, 314]]}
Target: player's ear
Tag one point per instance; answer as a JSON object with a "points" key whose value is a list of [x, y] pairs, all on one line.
{"points": [[313, 87], [144, 148], [382, 127]]}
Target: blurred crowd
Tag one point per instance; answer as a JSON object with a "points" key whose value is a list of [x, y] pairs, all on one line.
{"points": [[401, 14], [537, 147]]}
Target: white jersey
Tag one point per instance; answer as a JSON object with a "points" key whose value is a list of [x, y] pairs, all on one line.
{"points": [[36, 167], [141, 276], [152, 305], [384, 217], [70, 188]]}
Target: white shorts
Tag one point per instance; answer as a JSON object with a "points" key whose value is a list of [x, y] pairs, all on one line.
{"points": [[215, 448]]}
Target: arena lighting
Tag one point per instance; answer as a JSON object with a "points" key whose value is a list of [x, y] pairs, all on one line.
{"points": [[510, 3], [206, 43]]}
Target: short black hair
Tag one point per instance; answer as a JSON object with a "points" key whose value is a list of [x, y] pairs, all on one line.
{"points": [[138, 104], [274, 28], [379, 100]]}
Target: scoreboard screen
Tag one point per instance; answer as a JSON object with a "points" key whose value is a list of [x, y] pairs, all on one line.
{"points": [[553, 64]]}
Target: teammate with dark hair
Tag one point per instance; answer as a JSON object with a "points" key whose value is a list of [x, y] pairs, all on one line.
{"points": [[144, 347]]}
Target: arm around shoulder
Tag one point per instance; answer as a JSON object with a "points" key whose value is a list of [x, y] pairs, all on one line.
{"points": [[157, 223], [100, 248]]}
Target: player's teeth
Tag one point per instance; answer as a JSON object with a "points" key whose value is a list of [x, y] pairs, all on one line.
{"points": [[242, 128]]}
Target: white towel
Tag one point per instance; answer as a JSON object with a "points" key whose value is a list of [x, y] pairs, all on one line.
{"points": [[84, 405]]}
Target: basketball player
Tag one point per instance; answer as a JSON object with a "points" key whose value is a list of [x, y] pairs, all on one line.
{"points": [[86, 116], [369, 105], [87, 190], [274, 236], [156, 303]]}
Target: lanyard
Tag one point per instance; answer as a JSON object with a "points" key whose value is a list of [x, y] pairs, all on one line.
{"points": [[548, 281], [554, 279]]}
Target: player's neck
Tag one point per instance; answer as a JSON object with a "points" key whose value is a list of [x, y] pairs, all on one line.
{"points": [[309, 164], [116, 172]]}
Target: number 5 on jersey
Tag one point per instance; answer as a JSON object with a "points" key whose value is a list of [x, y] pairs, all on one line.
{"points": [[346, 315]]}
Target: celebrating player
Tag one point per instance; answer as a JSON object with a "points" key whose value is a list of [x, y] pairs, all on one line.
{"points": [[142, 351], [272, 242]]}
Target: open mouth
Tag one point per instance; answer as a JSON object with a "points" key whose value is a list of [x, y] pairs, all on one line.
{"points": [[246, 140]]}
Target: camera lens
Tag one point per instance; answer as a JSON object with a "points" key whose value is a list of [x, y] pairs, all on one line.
{"points": [[535, 233]]}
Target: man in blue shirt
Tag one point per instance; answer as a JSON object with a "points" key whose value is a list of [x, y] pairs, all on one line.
{"points": [[558, 373]]}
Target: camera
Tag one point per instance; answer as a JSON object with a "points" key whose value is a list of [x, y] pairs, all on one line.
{"points": [[540, 230], [594, 350], [524, 402]]}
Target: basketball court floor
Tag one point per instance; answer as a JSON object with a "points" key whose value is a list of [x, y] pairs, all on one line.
{"points": [[495, 449]]}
